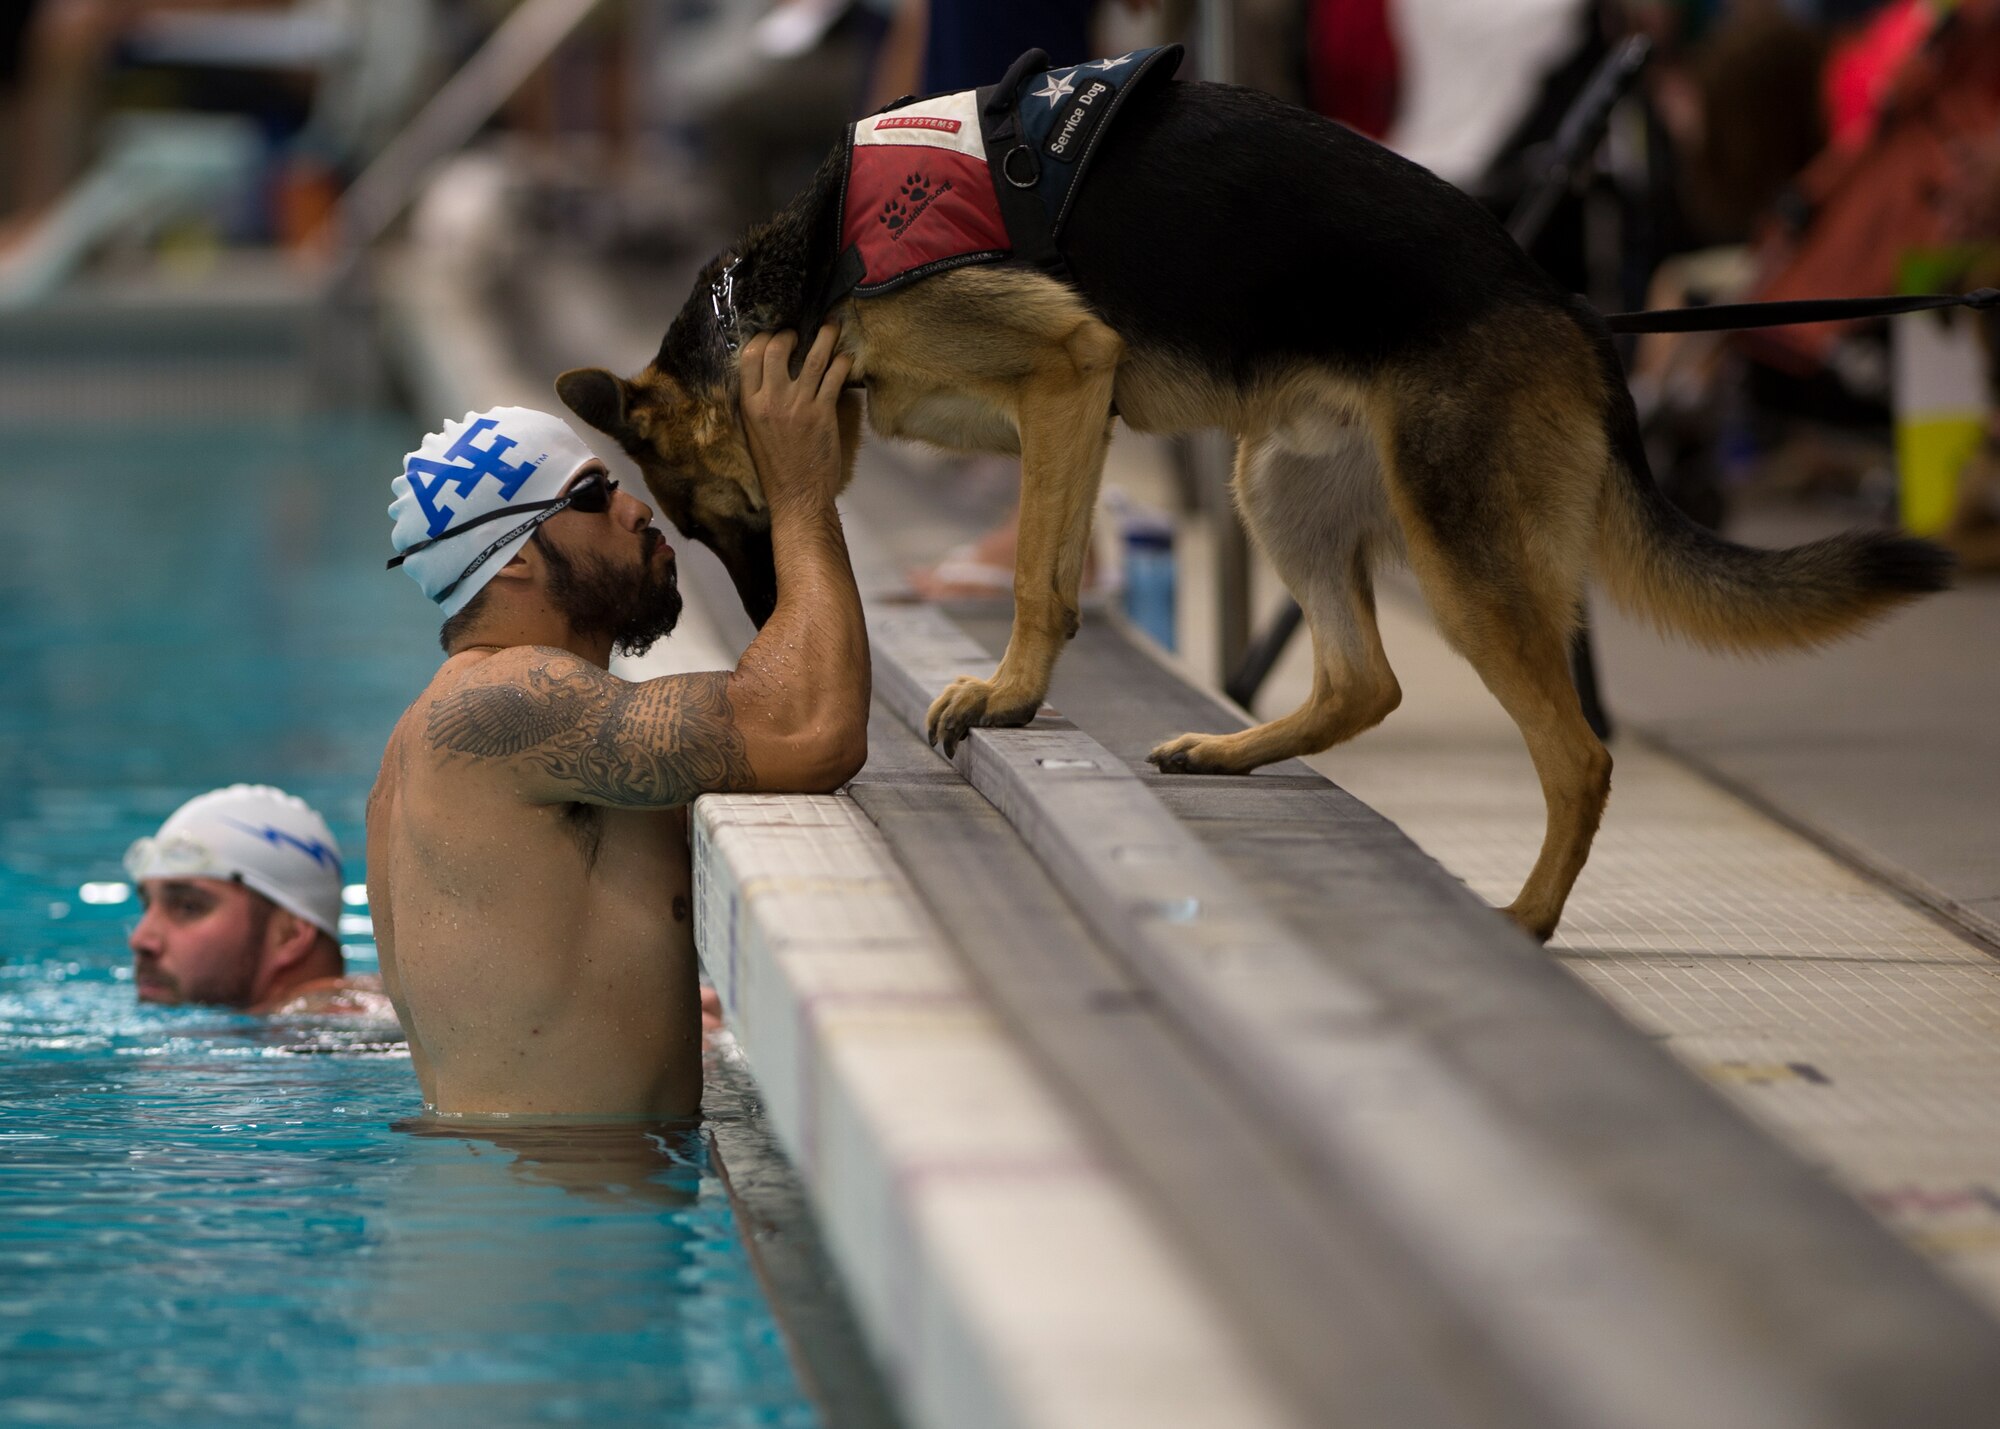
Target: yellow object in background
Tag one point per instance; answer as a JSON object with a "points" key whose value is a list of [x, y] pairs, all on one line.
{"points": [[1940, 390], [1930, 453]]}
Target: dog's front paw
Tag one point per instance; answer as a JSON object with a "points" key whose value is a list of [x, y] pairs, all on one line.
{"points": [[1194, 754], [969, 703]]}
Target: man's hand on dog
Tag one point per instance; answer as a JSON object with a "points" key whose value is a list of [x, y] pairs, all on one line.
{"points": [[790, 422]]}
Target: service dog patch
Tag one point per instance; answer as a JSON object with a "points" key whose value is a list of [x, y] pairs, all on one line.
{"points": [[1065, 111], [919, 197]]}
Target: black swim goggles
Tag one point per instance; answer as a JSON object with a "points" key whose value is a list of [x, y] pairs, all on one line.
{"points": [[590, 494]]}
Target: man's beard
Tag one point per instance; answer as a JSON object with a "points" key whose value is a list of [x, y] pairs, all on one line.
{"points": [[633, 607]]}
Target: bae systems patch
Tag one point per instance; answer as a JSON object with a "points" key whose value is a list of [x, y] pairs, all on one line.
{"points": [[979, 176]]}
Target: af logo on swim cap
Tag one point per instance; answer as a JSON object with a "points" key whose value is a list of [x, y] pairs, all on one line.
{"points": [[464, 466], [478, 466]]}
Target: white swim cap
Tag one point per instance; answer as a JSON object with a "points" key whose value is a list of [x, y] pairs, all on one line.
{"points": [[261, 837], [472, 494]]}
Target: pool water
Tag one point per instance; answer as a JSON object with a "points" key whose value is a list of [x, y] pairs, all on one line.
{"points": [[207, 1218]]}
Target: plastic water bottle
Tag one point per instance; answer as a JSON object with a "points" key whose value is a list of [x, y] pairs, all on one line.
{"points": [[1148, 542]]}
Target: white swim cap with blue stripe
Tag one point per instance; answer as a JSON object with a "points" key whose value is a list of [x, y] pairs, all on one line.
{"points": [[454, 484], [253, 834]]}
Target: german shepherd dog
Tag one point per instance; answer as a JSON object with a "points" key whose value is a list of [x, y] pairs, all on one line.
{"points": [[1237, 262]]}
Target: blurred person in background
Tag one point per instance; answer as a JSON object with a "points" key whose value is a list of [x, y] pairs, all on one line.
{"points": [[584, 89], [940, 46], [242, 891], [63, 56], [1889, 181], [764, 89], [1906, 97]]}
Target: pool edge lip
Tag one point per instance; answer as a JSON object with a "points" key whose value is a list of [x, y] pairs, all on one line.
{"points": [[804, 1285], [1005, 1273]]}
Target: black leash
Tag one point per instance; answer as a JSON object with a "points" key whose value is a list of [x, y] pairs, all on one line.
{"points": [[1720, 317]]}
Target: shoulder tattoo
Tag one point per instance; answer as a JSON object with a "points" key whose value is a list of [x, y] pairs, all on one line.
{"points": [[652, 744]]}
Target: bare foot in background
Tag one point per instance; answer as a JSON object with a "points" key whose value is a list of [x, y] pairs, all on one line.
{"points": [[983, 569]]}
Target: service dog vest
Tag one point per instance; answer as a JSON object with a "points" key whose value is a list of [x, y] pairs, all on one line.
{"points": [[980, 176]]}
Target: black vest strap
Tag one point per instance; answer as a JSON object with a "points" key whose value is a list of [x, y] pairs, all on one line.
{"points": [[994, 99], [1016, 168]]}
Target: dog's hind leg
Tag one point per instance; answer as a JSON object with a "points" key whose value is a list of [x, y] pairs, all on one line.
{"points": [[1496, 506], [1525, 663], [1316, 516], [1063, 410]]}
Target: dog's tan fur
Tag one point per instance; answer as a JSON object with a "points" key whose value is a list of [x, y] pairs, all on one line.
{"points": [[1485, 463]]}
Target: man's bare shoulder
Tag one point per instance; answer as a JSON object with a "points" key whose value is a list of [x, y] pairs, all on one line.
{"points": [[563, 729], [412, 759], [510, 701]]}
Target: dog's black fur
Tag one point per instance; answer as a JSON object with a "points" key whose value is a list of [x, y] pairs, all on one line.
{"points": [[1233, 261], [1217, 224]]}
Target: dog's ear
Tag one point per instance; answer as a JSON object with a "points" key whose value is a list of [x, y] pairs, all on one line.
{"points": [[601, 398]]}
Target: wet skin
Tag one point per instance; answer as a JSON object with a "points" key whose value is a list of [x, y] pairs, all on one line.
{"points": [[539, 952], [210, 940], [528, 854]]}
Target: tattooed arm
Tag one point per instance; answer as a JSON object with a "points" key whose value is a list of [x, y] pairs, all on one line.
{"points": [[791, 718], [563, 730]]}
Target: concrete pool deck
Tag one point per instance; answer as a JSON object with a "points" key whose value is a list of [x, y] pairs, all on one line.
{"points": [[1756, 938]]}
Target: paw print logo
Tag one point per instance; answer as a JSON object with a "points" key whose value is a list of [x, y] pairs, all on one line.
{"points": [[916, 188], [894, 215]]}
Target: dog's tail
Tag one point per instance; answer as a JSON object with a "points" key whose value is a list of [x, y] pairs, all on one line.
{"points": [[1690, 582]]}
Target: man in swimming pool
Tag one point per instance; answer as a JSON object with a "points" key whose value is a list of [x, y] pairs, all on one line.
{"points": [[528, 862], [241, 891]]}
